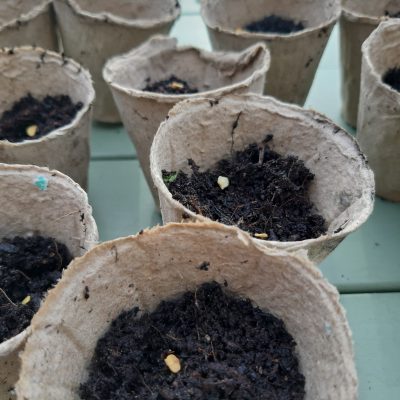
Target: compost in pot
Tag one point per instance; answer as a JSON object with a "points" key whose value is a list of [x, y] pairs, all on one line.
{"points": [[274, 24], [257, 190], [392, 78], [172, 85], [29, 266], [206, 344], [31, 118]]}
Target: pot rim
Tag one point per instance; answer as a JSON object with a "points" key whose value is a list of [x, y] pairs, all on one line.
{"points": [[63, 62], [243, 34], [385, 25], [35, 11], [206, 55], [107, 17], [368, 191]]}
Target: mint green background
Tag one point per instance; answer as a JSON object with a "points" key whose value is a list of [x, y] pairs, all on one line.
{"points": [[365, 267]]}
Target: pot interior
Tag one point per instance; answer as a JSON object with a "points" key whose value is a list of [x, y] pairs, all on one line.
{"points": [[206, 135], [41, 73], [204, 71], [234, 14], [130, 9], [372, 8], [383, 49], [11, 10], [157, 265]]}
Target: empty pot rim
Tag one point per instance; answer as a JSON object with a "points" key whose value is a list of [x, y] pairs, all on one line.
{"points": [[171, 44], [108, 17]]}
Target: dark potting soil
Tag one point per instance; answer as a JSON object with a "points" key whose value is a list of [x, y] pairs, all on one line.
{"points": [[392, 78], [267, 194], [392, 14], [275, 24], [225, 349], [28, 268], [172, 85], [31, 118]]}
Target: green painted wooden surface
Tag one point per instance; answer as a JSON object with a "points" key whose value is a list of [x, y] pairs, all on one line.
{"points": [[366, 263]]}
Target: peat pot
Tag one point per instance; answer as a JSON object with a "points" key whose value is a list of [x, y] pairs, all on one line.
{"points": [[214, 74], [162, 263], [379, 114], [359, 18], [343, 187], [39, 201], [94, 31], [27, 22], [294, 57], [40, 73]]}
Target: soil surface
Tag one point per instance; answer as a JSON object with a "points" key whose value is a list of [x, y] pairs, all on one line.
{"points": [[275, 24], [225, 349], [392, 14], [392, 78], [172, 85], [28, 268], [31, 118], [267, 194]]}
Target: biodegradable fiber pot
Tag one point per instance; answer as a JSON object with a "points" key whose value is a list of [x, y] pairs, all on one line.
{"points": [[213, 74], [41, 73], [343, 188], [27, 22], [94, 31], [379, 114], [163, 263], [39, 201], [294, 57], [359, 19]]}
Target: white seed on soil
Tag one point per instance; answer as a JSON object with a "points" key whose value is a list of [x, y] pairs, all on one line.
{"points": [[223, 182], [261, 235], [26, 300]]}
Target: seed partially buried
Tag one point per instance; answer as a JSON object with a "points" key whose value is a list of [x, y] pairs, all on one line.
{"points": [[31, 130]]}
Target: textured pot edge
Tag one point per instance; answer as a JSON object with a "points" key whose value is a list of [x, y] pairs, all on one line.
{"points": [[116, 20], [63, 62], [270, 36], [330, 292], [368, 193], [366, 56], [108, 75], [32, 14]]}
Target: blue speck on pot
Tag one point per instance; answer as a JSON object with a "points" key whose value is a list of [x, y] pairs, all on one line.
{"points": [[41, 182]]}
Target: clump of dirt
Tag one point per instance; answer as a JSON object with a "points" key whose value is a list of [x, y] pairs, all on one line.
{"points": [[266, 194], [275, 24], [31, 118], [28, 268], [205, 345], [172, 85]]}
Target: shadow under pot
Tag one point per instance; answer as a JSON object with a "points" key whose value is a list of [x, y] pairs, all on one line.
{"points": [[46, 220], [45, 111], [289, 176], [379, 113], [148, 81], [94, 31], [162, 296], [296, 33], [27, 22], [359, 18]]}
